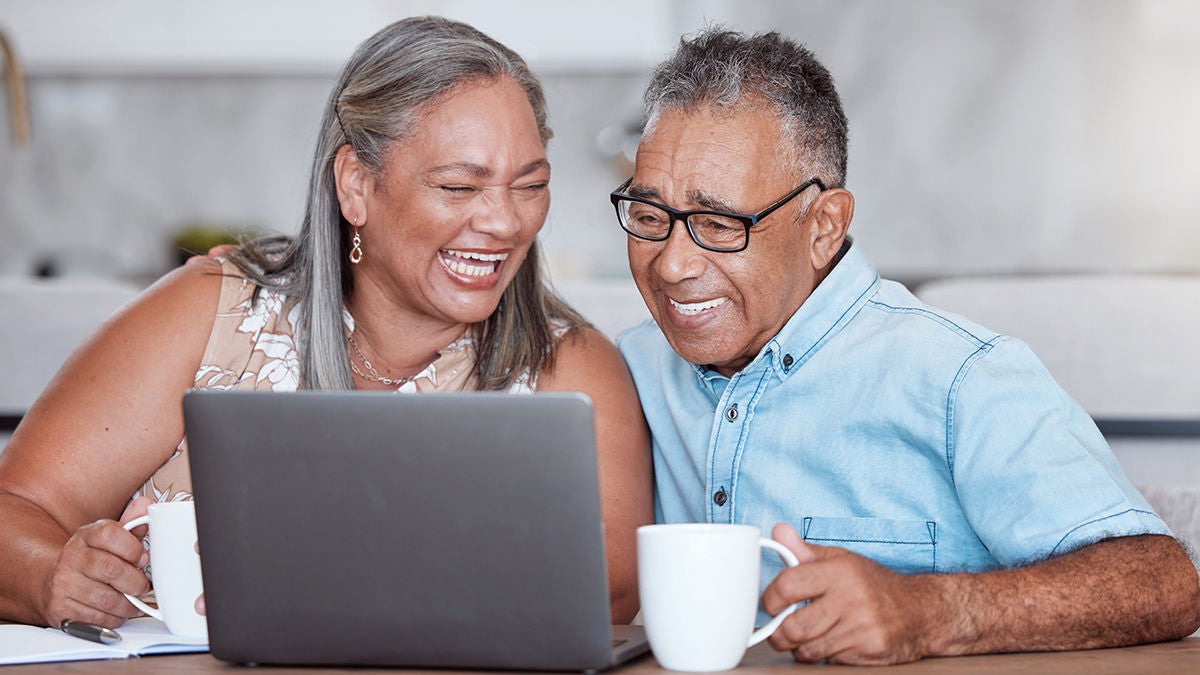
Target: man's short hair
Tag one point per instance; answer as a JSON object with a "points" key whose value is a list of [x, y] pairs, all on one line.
{"points": [[724, 69]]}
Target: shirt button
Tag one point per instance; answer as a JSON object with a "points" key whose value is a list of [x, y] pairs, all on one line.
{"points": [[731, 412], [720, 498], [788, 360]]}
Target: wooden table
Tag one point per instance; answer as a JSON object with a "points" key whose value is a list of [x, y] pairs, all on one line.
{"points": [[1182, 656]]}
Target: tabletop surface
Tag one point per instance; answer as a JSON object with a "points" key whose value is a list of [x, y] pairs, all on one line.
{"points": [[1182, 656]]}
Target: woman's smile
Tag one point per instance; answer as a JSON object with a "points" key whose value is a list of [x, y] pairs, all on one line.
{"points": [[473, 268]]}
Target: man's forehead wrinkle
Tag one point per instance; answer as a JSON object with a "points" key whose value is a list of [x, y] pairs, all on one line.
{"points": [[687, 171]]}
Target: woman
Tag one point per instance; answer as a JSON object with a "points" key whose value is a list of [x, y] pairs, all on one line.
{"points": [[416, 269]]}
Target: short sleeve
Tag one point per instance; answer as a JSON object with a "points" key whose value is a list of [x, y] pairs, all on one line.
{"points": [[1033, 473]]}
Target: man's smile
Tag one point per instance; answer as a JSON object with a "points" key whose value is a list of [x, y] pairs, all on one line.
{"points": [[694, 308]]}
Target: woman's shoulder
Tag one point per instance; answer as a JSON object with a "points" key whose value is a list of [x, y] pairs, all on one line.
{"points": [[584, 356], [188, 290]]}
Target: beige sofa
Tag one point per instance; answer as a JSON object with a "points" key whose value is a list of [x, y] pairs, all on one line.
{"points": [[41, 322]]}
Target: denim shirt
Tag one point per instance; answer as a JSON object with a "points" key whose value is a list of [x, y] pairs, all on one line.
{"points": [[886, 427]]}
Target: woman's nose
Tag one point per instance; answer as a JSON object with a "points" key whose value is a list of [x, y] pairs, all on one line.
{"points": [[498, 214]]}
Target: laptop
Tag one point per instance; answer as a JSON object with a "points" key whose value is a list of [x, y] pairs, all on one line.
{"points": [[378, 529]]}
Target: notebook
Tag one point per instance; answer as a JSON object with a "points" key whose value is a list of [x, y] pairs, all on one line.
{"points": [[142, 636], [434, 530]]}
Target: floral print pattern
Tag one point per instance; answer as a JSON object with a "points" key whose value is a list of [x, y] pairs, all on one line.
{"points": [[252, 346]]}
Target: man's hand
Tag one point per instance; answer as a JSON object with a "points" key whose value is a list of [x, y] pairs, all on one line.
{"points": [[99, 563], [858, 612]]}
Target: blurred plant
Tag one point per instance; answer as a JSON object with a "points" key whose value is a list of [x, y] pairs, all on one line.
{"points": [[198, 238]]}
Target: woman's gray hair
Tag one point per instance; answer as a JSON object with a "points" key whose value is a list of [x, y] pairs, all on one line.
{"points": [[380, 96], [721, 69]]}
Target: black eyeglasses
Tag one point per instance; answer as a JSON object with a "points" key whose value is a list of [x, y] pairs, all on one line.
{"points": [[711, 230]]}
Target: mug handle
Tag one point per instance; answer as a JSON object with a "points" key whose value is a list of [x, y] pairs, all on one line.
{"points": [[789, 558], [137, 602]]}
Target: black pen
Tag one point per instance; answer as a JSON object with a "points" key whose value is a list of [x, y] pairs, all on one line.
{"points": [[87, 631]]}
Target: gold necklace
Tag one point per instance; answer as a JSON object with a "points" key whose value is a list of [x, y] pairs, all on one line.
{"points": [[374, 375]]}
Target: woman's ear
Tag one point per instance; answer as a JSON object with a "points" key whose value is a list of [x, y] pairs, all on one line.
{"points": [[832, 213], [354, 184]]}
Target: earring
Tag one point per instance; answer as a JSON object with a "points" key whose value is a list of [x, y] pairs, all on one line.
{"points": [[356, 252]]}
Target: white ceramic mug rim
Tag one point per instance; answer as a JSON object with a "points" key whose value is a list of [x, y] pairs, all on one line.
{"points": [[166, 505], [692, 528]]}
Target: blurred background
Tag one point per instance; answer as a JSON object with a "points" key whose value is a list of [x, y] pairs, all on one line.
{"points": [[986, 137], [1030, 163]]}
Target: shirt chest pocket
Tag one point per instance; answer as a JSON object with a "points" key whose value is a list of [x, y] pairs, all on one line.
{"points": [[906, 546]]}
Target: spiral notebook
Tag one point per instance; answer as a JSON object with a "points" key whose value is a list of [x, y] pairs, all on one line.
{"points": [[379, 529]]}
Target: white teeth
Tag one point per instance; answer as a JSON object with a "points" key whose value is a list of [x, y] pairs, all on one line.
{"points": [[457, 262], [696, 307], [471, 255]]}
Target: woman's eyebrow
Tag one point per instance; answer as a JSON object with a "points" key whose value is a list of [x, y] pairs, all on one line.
{"points": [[480, 171], [476, 170]]}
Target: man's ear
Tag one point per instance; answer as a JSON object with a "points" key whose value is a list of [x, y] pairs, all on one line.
{"points": [[832, 213], [354, 183]]}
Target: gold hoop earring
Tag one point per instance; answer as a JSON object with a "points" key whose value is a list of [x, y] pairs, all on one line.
{"points": [[356, 252]]}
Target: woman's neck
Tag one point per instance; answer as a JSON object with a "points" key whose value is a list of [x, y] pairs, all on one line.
{"points": [[398, 341]]}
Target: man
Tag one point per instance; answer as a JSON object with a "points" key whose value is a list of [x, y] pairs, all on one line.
{"points": [[944, 495]]}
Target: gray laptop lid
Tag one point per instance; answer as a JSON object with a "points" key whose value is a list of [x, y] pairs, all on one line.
{"points": [[444, 530]]}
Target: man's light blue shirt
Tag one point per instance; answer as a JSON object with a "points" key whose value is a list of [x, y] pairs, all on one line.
{"points": [[878, 424]]}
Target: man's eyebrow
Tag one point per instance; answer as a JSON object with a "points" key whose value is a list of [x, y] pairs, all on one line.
{"points": [[710, 201], [644, 193], [704, 199]]}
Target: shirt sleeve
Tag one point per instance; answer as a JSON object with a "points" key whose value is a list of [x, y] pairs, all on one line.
{"points": [[1033, 473]]}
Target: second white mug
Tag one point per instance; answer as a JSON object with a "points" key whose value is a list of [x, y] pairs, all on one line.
{"points": [[174, 567], [698, 585]]}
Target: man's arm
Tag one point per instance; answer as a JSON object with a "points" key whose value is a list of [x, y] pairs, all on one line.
{"points": [[1120, 591]]}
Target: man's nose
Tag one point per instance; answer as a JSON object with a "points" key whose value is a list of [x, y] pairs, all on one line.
{"points": [[680, 257]]}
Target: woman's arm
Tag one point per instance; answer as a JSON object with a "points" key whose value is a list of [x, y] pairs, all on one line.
{"points": [[586, 361], [109, 418]]}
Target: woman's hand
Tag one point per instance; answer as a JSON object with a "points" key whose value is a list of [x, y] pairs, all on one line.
{"points": [[99, 563], [105, 424]]}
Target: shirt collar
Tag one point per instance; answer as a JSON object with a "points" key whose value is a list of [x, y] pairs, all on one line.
{"points": [[851, 282]]}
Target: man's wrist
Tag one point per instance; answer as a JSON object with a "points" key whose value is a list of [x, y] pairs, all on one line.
{"points": [[943, 615]]}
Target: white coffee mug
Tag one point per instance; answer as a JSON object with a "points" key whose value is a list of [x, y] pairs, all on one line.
{"points": [[698, 585], [174, 567]]}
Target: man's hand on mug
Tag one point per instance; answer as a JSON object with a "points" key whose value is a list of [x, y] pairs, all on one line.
{"points": [[859, 611], [99, 563], [214, 252]]}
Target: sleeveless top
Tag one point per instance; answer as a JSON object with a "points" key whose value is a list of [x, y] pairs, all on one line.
{"points": [[252, 347]]}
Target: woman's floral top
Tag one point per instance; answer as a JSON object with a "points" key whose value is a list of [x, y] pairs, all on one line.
{"points": [[252, 347]]}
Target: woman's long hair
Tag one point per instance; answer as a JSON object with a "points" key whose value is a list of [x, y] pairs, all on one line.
{"points": [[375, 103]]}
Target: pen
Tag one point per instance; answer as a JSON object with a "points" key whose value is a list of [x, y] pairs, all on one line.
{"points": [[87, 631]]}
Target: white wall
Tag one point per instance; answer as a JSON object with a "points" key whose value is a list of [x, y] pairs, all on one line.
{"points": [[313, 36], [985, 136]]}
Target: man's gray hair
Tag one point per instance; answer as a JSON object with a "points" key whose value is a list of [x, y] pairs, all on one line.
{"points": [[720, 69]]}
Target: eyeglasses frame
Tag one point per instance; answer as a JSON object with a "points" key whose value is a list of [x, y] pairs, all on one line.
{"points": [[748, 220]]}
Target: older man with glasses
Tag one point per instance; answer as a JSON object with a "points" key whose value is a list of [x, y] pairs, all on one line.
{"points": [[944, 495]]}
